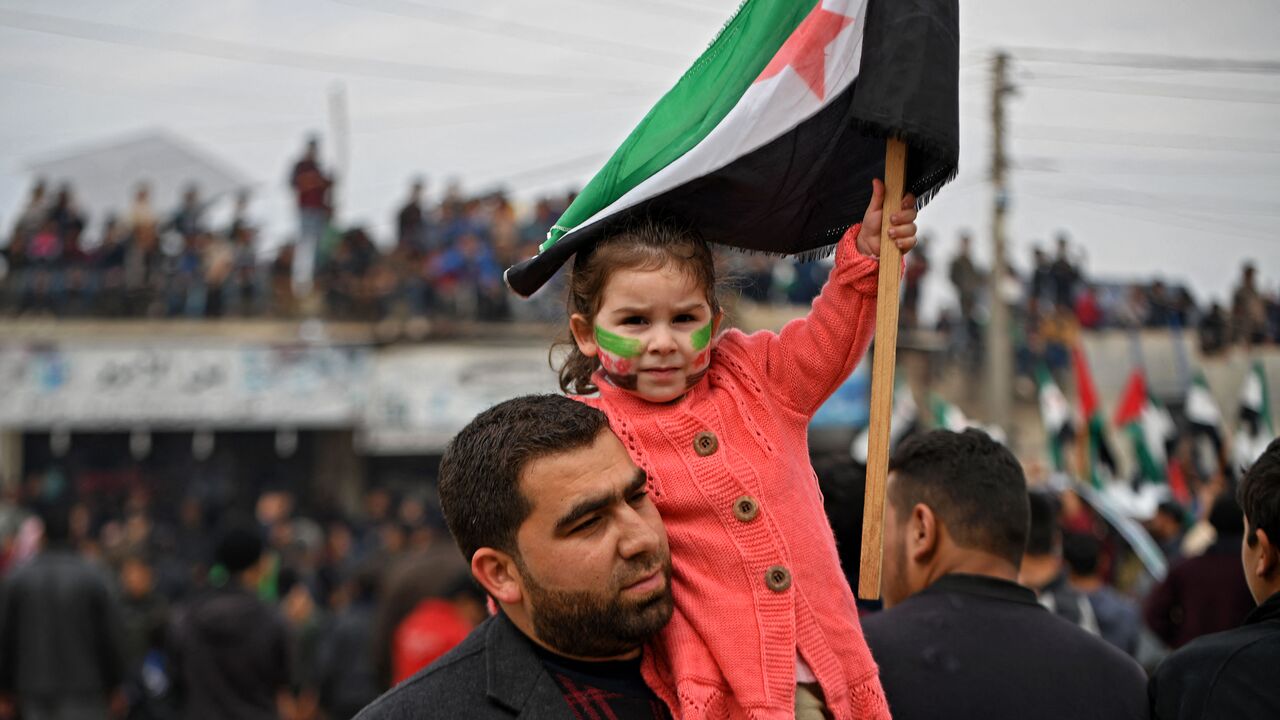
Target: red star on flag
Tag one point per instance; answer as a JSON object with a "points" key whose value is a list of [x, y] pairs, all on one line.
{"points": [[806, 50]]}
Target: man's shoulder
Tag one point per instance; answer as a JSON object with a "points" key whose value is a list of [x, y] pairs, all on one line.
{"points": [[1232, 667], [457, 679]]}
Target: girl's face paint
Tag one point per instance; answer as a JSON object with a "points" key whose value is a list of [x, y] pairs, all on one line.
{"points": [[653, 332]]}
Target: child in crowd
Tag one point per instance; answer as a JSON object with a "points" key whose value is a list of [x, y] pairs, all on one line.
{"points": [[765, 625]]}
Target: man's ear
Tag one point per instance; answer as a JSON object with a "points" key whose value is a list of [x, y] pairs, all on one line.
{"points": [[1268, 555], [497, 573], [584, 334], [922, 539]]}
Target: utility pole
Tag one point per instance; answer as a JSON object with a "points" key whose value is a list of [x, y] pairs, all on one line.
{"points": [[999, 348]]}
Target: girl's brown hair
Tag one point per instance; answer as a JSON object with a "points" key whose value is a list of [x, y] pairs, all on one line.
{"points": [[647, 245]]}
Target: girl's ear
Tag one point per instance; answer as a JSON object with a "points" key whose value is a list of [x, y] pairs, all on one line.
{"points": [[715, 324], [584, 334]]}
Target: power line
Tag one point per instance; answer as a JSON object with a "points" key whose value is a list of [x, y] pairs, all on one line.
{"points": [[1146, 60], [1179, 141], [319, 62], [557, 38], [1152, 89]]}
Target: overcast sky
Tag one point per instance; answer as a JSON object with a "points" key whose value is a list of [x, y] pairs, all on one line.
{"points": [[1152, 171]]}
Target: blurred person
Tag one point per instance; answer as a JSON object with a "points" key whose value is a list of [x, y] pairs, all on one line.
{"points": [[1064, 274], [1206, 593], [559, 529], [1168, 527], [1232, 674], [311, 189], [1041, 292], [32, 216], [1214, 330], [960, 638], [145, 617], [61, 650], [1119, 620], [188, 219], [1248, 309], [345, 669], [411, 220], [913, 281], [308, 624], [435, 626], [1043, 569], [230, 650], [968, 280]]}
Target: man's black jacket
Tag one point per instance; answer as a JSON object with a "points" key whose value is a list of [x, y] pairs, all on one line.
{"points": [[1232, 674], [493, 674], [971, 646]]}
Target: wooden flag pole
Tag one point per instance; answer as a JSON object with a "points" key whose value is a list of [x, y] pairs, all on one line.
{"points": [[895, 162]]}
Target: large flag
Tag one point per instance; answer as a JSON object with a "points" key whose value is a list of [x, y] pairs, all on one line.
{"points": [[770, 141], [1055, 414], [1254, 429], [1149, 426], [1101, 459]]}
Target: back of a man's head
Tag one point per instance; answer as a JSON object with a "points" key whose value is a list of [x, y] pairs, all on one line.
{"points": [[1044, 536], [1226, 517], [1081, 553], [972, 483], [239, 548], [481, 468], [1259, 496]]}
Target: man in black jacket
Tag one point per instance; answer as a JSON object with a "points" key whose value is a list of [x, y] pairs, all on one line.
{"points": [[61, 646], [229, 650], [555, 519], [961, 639], [1236, 673]]}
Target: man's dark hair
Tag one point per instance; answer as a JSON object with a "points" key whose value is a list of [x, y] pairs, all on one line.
{"points": [[1081, 551], [1259, 495], [1045, 535], [973, 483], [481, 468], [55, 516], [238, 549], [1226, 517]]}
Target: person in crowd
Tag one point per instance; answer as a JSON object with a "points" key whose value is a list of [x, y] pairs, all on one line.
{"points": [[229, 650], [61, 650], [1064, 274], [960, 638], [913, 284], [559, 528], [311, 187], [145, 616], [1118, 617], [345, 670], [411, 221], [1232, 674], [1205, 593], [1043, 569], [967, 279], [1168, 527], [1248, 309]]}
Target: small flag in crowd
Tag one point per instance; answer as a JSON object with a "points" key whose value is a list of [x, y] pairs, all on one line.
{"points": [[770, 141], [1254, 429], [1149, 426], [1055, 414], [1101, 459], [1204, 420]]}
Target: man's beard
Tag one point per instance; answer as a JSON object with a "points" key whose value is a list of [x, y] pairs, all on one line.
{"points": [[600, 624]]}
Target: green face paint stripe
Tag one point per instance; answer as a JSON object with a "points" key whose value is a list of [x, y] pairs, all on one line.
{"points": [[702, 337], [616, 344]]}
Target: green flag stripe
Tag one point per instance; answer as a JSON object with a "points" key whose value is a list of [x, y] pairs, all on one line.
{"points": [[702, 337], [691, 109], [618, 345]]}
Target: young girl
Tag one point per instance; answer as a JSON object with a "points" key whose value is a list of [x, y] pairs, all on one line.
{"points": [[765, 624]]}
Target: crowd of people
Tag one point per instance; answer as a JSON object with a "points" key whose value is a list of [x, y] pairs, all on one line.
{"points": [[446, 259], [1052, 300], [153, 599], [347, 606]]}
